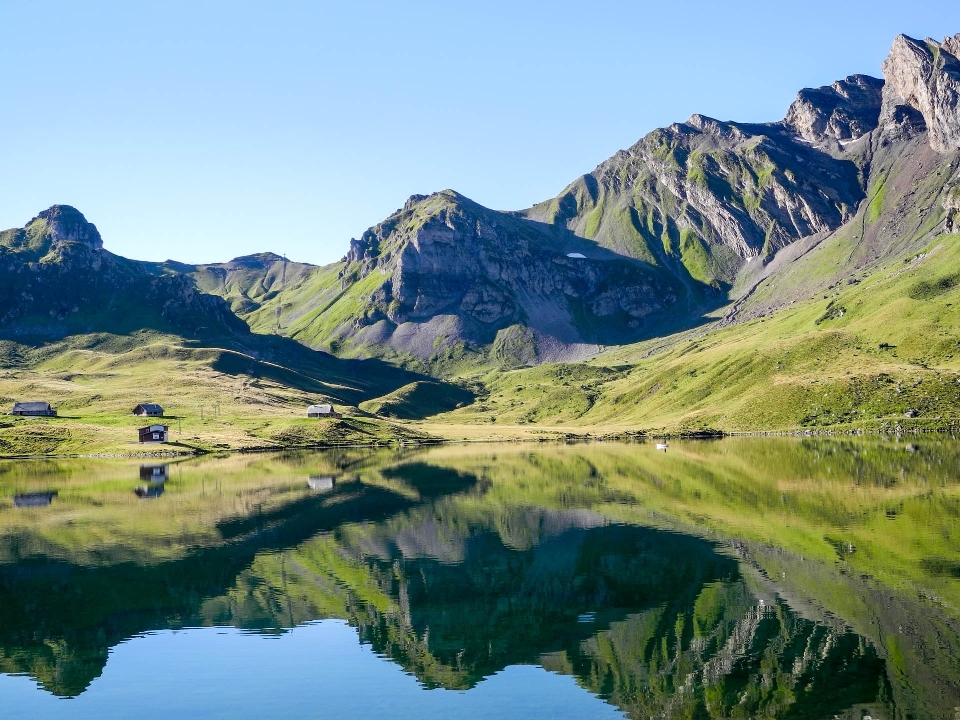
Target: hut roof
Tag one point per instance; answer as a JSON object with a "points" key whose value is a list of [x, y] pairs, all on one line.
{"points": [[31, 406], [149, 407], [319, 409]]}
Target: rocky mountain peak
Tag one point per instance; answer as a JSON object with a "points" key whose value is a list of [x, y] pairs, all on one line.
{"points": [[66, 224], [923, 81], [256, 261], [413, 200], [718, 128], [952, 45], [843, 111]]}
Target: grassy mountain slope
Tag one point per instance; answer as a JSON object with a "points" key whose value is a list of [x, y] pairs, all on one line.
{"points": [[856, 328], [797, 274], [703, 197], [862, 356]]}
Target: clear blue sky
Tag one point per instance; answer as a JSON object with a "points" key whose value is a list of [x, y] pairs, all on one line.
{"points": [[205, 130]]}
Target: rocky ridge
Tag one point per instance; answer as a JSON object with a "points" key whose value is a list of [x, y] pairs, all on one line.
{"points": [[445, 259], [705, 205]]}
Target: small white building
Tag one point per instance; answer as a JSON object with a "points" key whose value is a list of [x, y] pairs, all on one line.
{"points": [[322, 411]]}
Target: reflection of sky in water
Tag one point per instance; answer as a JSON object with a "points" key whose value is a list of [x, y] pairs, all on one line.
{"points": [[317, 670]]}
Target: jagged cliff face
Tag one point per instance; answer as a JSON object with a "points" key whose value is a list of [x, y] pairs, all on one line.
{"points": [[57, 235], [842, 112], [923, 85], [56, 279], [689, 218], [443, 260]]}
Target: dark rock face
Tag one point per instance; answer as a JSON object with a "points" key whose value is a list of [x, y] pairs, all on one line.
{"points": [[923, 81], [693, 204], [444, 255], [846, 110]]}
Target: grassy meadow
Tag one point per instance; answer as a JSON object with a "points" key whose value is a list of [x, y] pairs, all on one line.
{"points": [[876, 350], [213, 398]]}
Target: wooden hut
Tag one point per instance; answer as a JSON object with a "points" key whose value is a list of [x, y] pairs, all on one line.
{"points": [[154, 473], [148, 410], [154, 434], [34, 409]]}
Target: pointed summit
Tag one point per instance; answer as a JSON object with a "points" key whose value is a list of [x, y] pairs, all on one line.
{"points": [[67, 224]]}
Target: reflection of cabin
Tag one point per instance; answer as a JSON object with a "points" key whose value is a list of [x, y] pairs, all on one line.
{"points": [[34, 499], [149, 491], [148, 410], [153, 434], [34, 409], [322, 411], [153, 473], [321, 483]]}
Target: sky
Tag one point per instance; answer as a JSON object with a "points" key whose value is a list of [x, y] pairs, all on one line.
{"points": [[202, 130]]}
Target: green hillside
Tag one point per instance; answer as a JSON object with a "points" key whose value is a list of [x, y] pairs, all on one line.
{"points": [[861, 357]]}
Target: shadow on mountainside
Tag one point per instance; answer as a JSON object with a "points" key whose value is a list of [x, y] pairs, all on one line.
{"points": [[232, 351], [349, 381]]}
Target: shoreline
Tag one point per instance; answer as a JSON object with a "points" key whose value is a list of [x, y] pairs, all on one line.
{"points": [[638, 436]]}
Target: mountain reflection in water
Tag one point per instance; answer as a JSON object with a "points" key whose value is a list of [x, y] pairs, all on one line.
{"points": [[456, 565]]}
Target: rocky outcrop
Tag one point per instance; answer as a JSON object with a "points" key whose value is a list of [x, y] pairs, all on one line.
{"points": [[841, 112], [923, 82], [444, 255], [66, 224], [57, 235]]}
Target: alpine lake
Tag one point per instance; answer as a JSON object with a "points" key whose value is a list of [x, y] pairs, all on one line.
{"points": [[812, 577]]}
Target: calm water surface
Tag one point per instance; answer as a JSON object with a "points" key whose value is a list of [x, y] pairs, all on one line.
{"points": [[770, 578]]}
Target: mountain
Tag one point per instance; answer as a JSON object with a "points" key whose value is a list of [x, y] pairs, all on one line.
{"points": [[444, 275], [689, 219], [58, 280]]}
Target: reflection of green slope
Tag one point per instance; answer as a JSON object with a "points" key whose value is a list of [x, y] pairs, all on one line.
{"points": [[794, 508], [472, 560], [676, 632], [82, 611], [726, 657]]}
